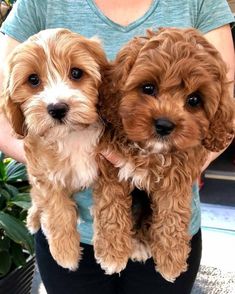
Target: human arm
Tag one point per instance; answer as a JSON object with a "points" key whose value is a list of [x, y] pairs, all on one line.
{"points": [[9, 144], [221, 38], [25, 19]]}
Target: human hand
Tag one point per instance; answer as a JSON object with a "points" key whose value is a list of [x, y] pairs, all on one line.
{"points": [[207, 162], [212, 156], [113, 157]]}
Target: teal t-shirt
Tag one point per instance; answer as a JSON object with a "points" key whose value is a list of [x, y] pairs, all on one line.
{"points": [[82, 16]]}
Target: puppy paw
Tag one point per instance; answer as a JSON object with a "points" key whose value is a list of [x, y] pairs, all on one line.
{"points": [[168, 278], [169, 275], [66, 252], [33, 229], [112, 256], [141, 251], [33, 223], [171, 263], [112, 265]]}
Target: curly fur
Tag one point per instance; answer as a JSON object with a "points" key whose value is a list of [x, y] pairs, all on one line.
{"points": [[178, 63], [60, 153]]}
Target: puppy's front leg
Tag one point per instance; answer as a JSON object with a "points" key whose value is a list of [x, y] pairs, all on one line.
{"points": [[171, 205], [33, 219], [34, 212], [59, 222], [112, 221]]}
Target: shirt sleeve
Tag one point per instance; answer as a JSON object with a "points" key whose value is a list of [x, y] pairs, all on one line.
{"points": [[213, 14], [26, 18]]}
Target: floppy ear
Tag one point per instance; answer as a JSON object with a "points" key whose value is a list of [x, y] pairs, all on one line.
{"points": [[14, 114], [126, 59], [96, 50], [221, 129], [114, 79]]}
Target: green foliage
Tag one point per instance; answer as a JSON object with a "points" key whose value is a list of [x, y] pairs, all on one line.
{"points": [[16, 244], [5, 8], [9, 2]]}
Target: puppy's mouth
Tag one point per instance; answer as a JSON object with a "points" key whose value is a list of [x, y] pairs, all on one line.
{"points": [[59, 112], [162, 139]]}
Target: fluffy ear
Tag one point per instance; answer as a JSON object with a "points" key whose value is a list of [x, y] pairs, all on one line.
{"points": [[221, 129], [14, 114], [114, 79], [125, 60], [94, 46]]}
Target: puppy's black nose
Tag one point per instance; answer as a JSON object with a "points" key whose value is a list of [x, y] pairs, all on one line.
{"points": [[58, 110], [164, 126]]}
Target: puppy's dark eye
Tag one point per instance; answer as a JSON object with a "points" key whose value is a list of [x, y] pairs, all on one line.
{"points": [[76, 73], [194, 100], [149, 89], [34, 80]]}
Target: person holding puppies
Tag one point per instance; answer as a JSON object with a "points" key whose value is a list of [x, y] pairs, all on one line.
{"points": [[115, 23]]}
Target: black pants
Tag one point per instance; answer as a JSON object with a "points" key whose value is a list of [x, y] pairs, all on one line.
{"points": [[137, 278]]}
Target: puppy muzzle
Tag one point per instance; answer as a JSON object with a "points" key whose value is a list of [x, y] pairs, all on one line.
{"points": [[58, 111]]}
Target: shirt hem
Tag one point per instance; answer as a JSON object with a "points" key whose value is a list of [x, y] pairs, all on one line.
{"points": [[19, 38], [215, 26], [193, 232]]}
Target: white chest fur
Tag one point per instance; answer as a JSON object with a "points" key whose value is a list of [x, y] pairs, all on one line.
{"points": [[138, 177], [142, 173], [76, 165]]}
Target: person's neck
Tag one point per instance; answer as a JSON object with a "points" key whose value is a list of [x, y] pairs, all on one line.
{"points": [[123, 12]]}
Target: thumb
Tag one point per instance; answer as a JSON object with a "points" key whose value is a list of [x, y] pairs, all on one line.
{"points": [[114, 157]]}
